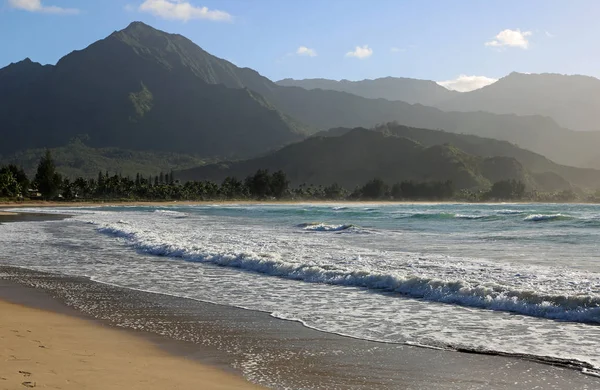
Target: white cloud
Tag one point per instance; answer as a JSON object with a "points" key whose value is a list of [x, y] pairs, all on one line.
{"points": [[361, 52], [37, 6], [511, 38], [305, 51], [549, 34], [397, 50], [182, 10], [464, 83]]}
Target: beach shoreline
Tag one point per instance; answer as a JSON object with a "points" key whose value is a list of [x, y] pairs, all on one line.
{"points": [[4, 206], [260, 345], [48, 346]]}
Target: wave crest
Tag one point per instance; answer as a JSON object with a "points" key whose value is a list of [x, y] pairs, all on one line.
{"points": [[322, 227], [546, 217], [576, 308]]}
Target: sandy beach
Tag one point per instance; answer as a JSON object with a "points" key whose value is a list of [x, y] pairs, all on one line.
{"points": [[48, 350]]}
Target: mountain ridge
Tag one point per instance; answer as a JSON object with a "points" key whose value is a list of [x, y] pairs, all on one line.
{"points": [[571, 100], [92, 91], [141, 88], [360, 155], [404, 89]]}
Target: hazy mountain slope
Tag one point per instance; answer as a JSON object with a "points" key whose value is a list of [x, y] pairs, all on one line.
{"points": [[408, 90], [323, 109], [136, 89], [79, 160], [141, 88], [550, 173], [572, 101], [360, 155]]}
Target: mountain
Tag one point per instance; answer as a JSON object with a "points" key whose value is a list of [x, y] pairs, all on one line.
{"points": [[572, 101], [412, 91], [358, 155], [144, 89], [141, 89], [550, 175]]}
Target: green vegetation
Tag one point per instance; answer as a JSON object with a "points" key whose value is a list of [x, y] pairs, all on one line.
{"points": [[47, 180], [79, 160], [142, 101], [13, 182], [358, 155], [261, 185], [544, 174]]}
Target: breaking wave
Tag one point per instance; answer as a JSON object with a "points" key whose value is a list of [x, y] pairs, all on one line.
{"points": [[171, 213], [322, 227], [491, 296], [547, 217]]}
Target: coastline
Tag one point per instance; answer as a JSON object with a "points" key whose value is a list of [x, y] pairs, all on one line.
{"points": [[46, 349], [44, 204], [272, 352], [269, 351]]}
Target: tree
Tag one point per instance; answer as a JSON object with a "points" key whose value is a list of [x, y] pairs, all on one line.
{"points": [[67, 189], [233, 188], [47, 179], [279, 184], [19, 175], [334, 191], [397, 191], [507, 189], [375, 189], [8, 184], [82, 187], [259, 185]]}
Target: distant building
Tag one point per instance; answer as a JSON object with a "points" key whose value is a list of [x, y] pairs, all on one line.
{"points": [[34, 194]]}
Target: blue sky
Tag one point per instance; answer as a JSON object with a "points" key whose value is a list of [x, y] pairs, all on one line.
{"points": [[436, 40]]}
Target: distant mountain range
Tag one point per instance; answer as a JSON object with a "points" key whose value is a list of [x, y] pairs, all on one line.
{"points": [[146, 90], [425, 92], [396, 153], [572, 101]]}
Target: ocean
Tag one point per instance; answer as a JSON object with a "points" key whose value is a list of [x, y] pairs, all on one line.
{"points": [[515, 279]]}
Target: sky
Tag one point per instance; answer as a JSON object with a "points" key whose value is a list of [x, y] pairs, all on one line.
{"points": [[462, 44]]}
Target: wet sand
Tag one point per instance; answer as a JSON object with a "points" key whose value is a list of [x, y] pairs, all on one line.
{"points": [[274, 352], [42, 349]]}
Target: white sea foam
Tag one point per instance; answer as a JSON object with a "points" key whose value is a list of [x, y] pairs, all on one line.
{"points": [[171, 213], [580, 308], [466, 216], [546, 217], [322, 227]]}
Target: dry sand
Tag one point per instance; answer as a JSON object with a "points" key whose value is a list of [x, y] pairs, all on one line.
{"points": [[54, 351]]}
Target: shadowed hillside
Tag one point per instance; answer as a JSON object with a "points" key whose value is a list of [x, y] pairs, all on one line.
{"points": [[357, 156], [136, 89]]}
